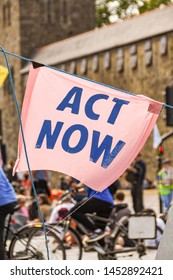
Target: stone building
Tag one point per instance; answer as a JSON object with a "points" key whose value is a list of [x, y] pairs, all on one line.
{"points": [[135, 55], [24, 26]]}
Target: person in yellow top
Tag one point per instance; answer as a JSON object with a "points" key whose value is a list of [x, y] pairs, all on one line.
{"points": [[165, 184]]}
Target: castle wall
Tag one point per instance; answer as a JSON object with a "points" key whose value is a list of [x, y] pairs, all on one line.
{"points": [[24, 26]]}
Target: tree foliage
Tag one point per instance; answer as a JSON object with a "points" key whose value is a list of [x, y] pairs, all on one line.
{"points": [[152, 4], [108, 11]]}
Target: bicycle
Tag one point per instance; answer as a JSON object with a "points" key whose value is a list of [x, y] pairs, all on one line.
{"points": [[116, 244], [109, 247], [71, 240], [69, 236], [28, 242]]}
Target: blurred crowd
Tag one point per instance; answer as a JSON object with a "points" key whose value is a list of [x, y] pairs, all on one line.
{"points": [[134, 179], [54, 208]]}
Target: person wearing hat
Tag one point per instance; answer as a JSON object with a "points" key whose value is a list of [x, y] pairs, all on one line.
{"points": [[165, 184]]}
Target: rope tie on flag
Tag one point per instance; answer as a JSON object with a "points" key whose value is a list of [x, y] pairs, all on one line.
{"points": [[25, 148]]}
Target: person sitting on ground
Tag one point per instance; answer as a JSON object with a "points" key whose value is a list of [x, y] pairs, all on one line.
{"points": [[65, 183], [61, 210], [122, 212], [160, 226], [21, 216], [98, 202], [22, 203], [45, 206], [120, 199]]}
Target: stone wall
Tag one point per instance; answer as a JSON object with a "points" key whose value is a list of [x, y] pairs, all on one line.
{"points": [[24, 26], [47, 21], [10, 41]]}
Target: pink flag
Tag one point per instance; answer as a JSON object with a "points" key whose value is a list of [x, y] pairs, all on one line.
{"points": [[81, 128]]}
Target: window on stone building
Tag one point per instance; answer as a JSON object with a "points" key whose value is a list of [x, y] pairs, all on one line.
{"points": [[6, 10], [133, 56], [120, 60], [107, 60], [163, 45], [83, 67], [73, 67], [95, 63], [148, 53]]}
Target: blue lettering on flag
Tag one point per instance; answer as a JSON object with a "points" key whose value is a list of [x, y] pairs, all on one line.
{"points": [[82, 141], [105, 147], [89, 105], [116, 109], [75, 93], [96, 149], [51, 138]]}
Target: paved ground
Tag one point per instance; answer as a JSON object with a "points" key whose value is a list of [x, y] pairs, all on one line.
{"points": [[150, 255], [151, 200]]}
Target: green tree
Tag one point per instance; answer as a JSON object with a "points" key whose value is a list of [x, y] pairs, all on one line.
{"points": [[103, 12], [152, 4], [113, 10]]}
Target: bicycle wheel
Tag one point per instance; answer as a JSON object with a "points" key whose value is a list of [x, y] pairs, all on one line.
{"points": [[71, 242], [119, 246], [29, 244]]}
